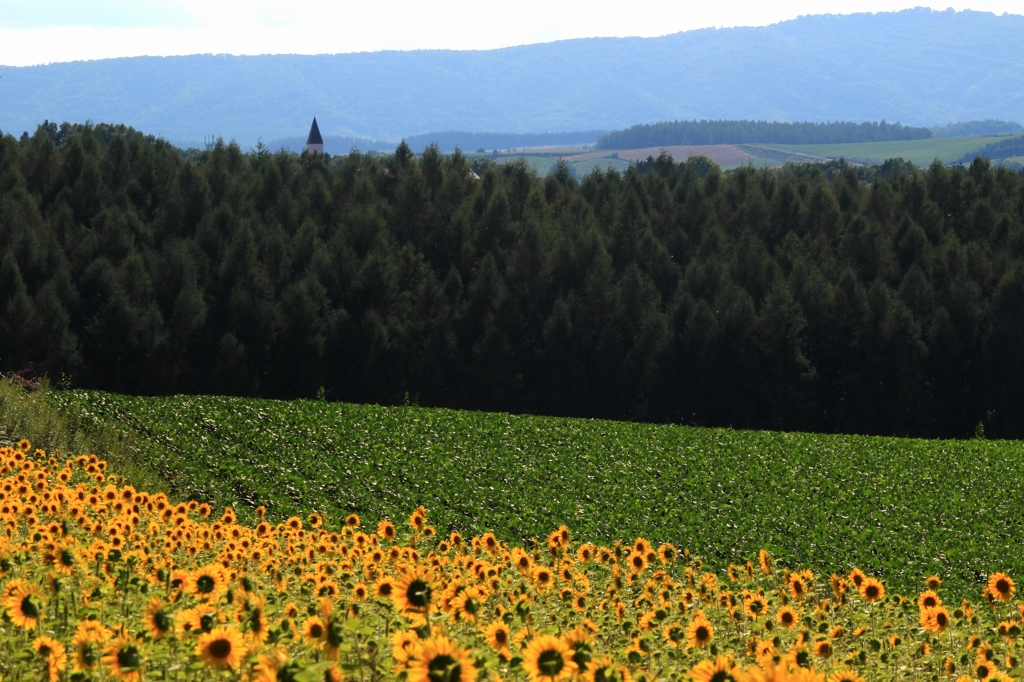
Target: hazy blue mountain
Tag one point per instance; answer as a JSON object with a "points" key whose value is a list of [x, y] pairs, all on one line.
{"points": [[918, 67]]}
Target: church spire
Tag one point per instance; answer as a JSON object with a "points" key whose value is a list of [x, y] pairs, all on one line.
{"points": [[314, 143]]}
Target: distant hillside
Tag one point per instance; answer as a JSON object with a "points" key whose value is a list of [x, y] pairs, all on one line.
{"points": [[1007, 148], [971, 128], [918, 67], [744, 132]]}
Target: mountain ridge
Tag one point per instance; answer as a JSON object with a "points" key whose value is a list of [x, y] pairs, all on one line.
{"points": [[917, 67]]}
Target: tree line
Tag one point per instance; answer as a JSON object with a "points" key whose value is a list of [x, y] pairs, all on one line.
{"points": [[674, 133], [884, 300], [1002, 149]]}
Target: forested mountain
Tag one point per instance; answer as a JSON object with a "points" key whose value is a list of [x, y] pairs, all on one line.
{"points": [[918, 67], [829, 298], [673, 133]]}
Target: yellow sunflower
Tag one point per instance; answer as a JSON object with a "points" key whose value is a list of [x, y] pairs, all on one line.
{"points": [[414, 590], [935, 619], [384, 587], [54, 653], [872, 590], [700, 632], [208, 582], [313, 631], [604, 670], [222, 647], [719, 670], [123, 660], [158, 619], [24, 604], [439, 659], [787, 617], [1001, 586], [87, 648], [548, 657]]}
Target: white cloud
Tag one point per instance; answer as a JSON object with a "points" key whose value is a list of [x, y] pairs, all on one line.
{"points": [[317, 26]]}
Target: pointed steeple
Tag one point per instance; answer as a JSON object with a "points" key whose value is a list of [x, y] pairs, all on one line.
{"points": [[314, 143]]}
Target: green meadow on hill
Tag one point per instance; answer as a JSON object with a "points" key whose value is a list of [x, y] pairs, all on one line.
{"points": [[898, 508]]}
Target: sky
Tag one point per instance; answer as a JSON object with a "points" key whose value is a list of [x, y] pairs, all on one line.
{"points": [[46, 31]]}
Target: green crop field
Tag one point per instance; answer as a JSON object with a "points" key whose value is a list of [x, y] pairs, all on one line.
{"points": [[920, 152], [900, 508]]}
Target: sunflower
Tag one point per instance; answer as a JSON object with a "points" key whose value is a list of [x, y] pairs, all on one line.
{"points": [[414, 590], [787, 617], [543, 577], [932, 582], [54, 653], [384, 587], [468, 603], [548, 657], [797, 586], [823, 648], [764, 559], [497, 637], [857, 577], [755, 605], [700, 632], [1001, 586], [927, 599], [221, 648], [719, 670], [637, 562], [604, 670], [208, 582], [199, 619], [439, 659], [24, 604], [872, 590], [275, 666], [87, 647], [846, 675], [313, 631], [935, 619], [123, 660], [24, 445], [158, 620], [360, 592], [65, 559], [674, 634]]}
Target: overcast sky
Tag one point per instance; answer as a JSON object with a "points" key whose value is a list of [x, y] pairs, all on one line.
{"points": [[42, 31]]}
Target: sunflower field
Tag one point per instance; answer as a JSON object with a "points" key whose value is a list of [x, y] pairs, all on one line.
{"points": [[899, 508], [100, 581]]}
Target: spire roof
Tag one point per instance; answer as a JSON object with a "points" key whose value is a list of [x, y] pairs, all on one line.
{"points": [[314, 134]]}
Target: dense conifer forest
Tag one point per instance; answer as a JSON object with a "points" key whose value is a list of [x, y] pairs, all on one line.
{"points": [[742, 132], [829, 298]]}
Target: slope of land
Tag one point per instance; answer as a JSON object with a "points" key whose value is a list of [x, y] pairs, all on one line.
{"points": [[919, 152], [899, 507], [918, 67]]}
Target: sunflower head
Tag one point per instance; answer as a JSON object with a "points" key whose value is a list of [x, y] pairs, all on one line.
{"points": [[222, 647], [548, 657]]}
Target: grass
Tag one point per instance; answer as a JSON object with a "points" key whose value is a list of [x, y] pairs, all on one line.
{"points": [[899, 508], [920, 152], [73, 429]]}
